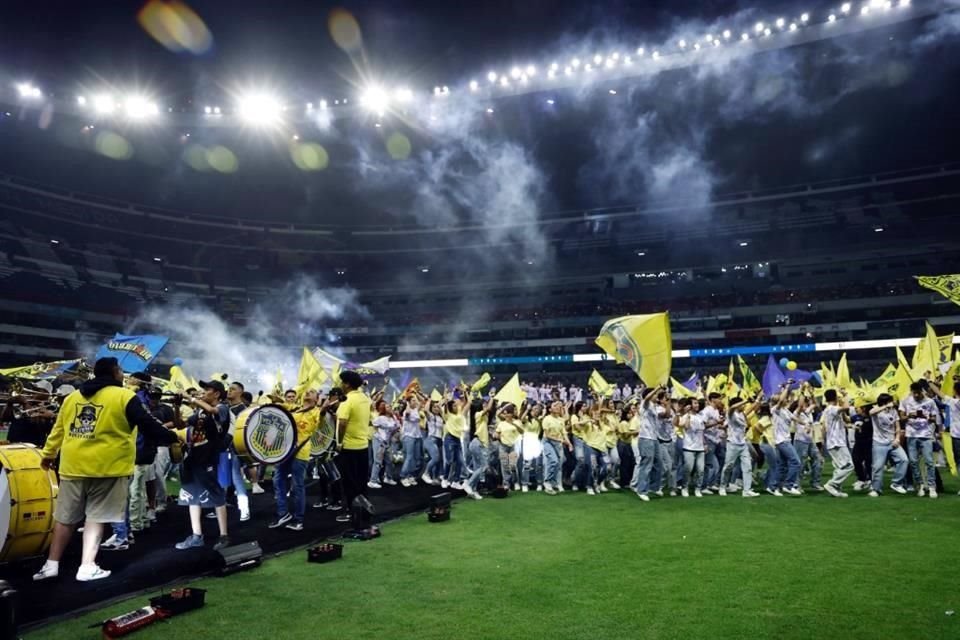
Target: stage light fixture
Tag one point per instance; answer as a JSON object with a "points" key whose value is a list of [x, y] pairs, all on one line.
{"points": [[27, 90], [793, 26], [780, 23], [259, 109], [138, 107], [323, 104], [208, 110], [831, 18], [683, 44], [744, 37], [550, 101], [103, 104], [767, 32], [759, 27]]}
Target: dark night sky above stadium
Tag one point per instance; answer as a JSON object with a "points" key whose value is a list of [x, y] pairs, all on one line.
{"points": [[880, 100]]}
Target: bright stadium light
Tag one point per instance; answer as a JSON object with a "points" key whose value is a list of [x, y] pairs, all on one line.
{"points": [[904, 3], [793, 26], [492, 76], [531, 70], [683, 44], [208, 110], [405, 95], [474, 85], [744, 37], [696, 46], [805, 17], [27, 90], [597, 59], [138, 107], [831, 18], [103, 104], [81, 101], [640, 51], [759, 27], [845, 7], [515, 73], [259, 108], [375, 99], [780, 23]]}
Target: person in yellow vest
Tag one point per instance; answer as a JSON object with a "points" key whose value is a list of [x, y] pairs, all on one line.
{"points": [[479, 446], [94, 435], [307, 419], [554, 439], [353, 425], [508, 431]]}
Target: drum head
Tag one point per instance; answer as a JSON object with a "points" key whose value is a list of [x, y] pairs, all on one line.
{"points": [[270, 434], [323, 439]]}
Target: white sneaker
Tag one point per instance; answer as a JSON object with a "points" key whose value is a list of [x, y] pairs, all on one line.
{"points": [[476, 495], [920, 493], [685, 492], [873, 494], [723, 491], [374, 485], [426, 479], [151, 515], [817, 488], [707, 492], [574, 488], [444, 484], [643, 497], [526, 488], [539, 487], [898, 489], [793, 491], [256, 488], [48, 570], [614, 484], [516, 487], [390, 481], [858, 485], [673, 493], [602, 488], [832, 490], [775, 492], [456, 485], [933, 492], [591, 492], [732, 488], [550, 491], [91, 572], [659, 493], [748, 493], [560, 488], [698, 494]]}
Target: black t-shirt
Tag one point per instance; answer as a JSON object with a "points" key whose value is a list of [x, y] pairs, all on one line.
{"points": [[207, 434]]}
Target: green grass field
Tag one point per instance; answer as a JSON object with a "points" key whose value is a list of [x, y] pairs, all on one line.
{"points": [[574, 566]]}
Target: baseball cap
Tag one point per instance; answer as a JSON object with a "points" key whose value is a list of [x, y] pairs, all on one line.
{"points": [[214, 384], [105, 366]]}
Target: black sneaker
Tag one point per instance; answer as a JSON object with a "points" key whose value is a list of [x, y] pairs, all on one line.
{"points": [[223, 542], [343, 517], [279, 522], [295, 526]]}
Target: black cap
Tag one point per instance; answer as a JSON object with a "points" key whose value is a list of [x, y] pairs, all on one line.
{"points": [[105, 366], [214, 384]]}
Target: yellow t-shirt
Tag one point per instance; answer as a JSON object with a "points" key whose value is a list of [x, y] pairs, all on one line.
{"points": [[454, 425], [481, 430], [355, 409], [532, 425], [594, 436], [610, 427], [634, 430], [307, 423], [576, 426], [93, 436], [509, 432], [554, 428]]}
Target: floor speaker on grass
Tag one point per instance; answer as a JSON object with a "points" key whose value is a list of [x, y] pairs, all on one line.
{"points": [[240, 557]]}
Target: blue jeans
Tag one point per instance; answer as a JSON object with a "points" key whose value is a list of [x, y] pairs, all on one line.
{"points": [[772, 478], [917, 447], [587, 478], [808, 450], [649, 454], [579, 452], [711, 474], [297, 469], [478, 454], [789, 464], [733, 454], [668, 478], [526, 466], [693, 468], [679, 462], [432, 444], [453, 457], [411, 457], [236, 473], [552, 462], [900, 462], [378, 451]]}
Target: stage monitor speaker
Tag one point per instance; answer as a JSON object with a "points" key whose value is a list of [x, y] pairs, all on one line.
{"points": [[9, 602], [240, 557]]}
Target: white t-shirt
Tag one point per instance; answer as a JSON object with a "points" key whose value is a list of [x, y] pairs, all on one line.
{"points": [[919, 427], [953, 406], [386, 426], [736, 428], [627, 392], [782, 418], [804, 426], [711, 433], [650, 420], [411, 424], [563, 394], [884, 426], [693, 432], [616, 393], [665, 426], [835, 427]]}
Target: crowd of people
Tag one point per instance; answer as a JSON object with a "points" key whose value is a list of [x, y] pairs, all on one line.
{"points": [[112, 437]]}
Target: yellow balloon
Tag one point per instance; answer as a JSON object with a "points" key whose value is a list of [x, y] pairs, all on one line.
{"points": [[791, 365]]}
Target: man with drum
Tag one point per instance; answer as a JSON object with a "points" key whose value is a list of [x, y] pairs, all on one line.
{"points": [[95, 439], [308, 418]]}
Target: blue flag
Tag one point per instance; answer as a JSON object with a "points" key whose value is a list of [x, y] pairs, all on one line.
{"points": [[134, 353]]}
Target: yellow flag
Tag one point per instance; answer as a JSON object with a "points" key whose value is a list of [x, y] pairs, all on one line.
{"points": [[598, 385], [680, 391], [435, 396], [179, 381], [512, 393], [948, 387], [750, 382], [843, 375], [926, 357], [885, 378], [311, 374], [481, 383], [716, 384], [335, 373], [278, 384], [828, 376], [945, 345], [902, 360], [900, 386], [947, 285], [642, 342], [947, 442]]}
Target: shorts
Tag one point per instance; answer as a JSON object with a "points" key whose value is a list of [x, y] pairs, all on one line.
{"points": [[92, 499], [201, 487]]}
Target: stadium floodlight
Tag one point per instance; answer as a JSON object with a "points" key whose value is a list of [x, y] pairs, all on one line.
{"points": [[138, 107], [424, 269], [27, 90], [568, 71], [492, 76], [575, 63], [613, 92], [793, 26], [780, 23], [727, 34], [877, 229], [549, 100], [376, 100], [474, 85], [216, 111], [767, 32], [864, 10], [831, 18], [208, 110], [904, 3], [323, 104], [683, 44], [531, 70], [744, 243], [504, 81], [655, 55], [759, 27], [597, 59], [845, 7], [259, 109], [588, 67], [554, 66], [489, 109], [744, 37], [627, 60], [640, 51], [405, 95], [103, 104], [515, 73], [82, 101], [696, 46], [805, 17]]}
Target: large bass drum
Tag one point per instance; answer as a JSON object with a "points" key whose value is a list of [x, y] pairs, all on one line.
{"points": [[323, 441], [266, 434], [28, 495]]}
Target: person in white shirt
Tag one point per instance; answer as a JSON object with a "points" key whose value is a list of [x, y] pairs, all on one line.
{"points": [[789, 460], [572, 393], [712, 422], [648, 446], [668, 476], [692, 424], [920, 414], [951, 409], [836, 419], [563, 394], [738, 449], [626, 392], [886, 444], [616, 393], [803, 443]]}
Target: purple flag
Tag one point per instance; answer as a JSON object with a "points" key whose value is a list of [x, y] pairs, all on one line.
{"points": [[692, 382]]}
